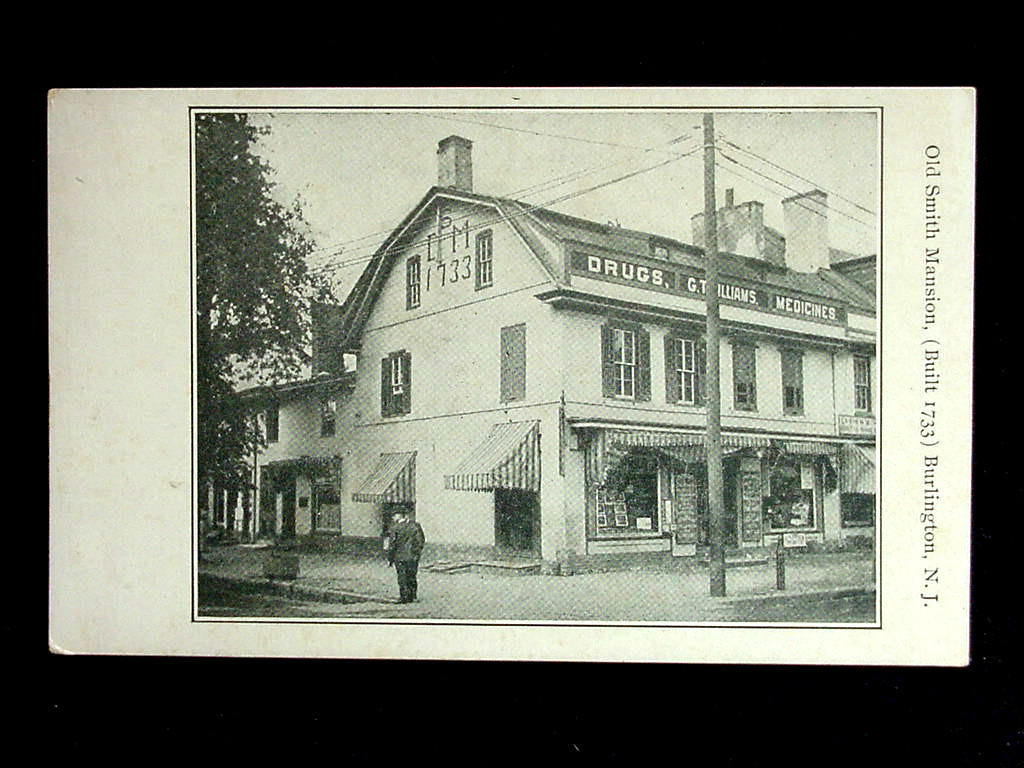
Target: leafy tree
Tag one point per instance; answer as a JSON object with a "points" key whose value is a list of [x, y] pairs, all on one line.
{"points": [[253, 289]]}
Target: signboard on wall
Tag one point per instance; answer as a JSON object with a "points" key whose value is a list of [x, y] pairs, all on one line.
{"points": [[666, 277], [855, 425], [750, 510], [684, 508]]}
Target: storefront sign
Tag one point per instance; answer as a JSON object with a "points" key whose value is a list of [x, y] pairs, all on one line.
{"points": [[668, 278], [750, 495], [855, 425]]}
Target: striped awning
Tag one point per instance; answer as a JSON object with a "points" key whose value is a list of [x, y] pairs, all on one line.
{"points": [[857, 469], [654, 439], [811, 448], [613, 445], [392, 480], [508, 458]]}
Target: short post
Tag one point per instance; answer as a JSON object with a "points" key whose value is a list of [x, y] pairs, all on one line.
{"points": [[780, 564]]}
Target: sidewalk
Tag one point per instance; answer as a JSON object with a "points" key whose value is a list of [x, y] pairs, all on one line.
{"points": [[675, 592]]}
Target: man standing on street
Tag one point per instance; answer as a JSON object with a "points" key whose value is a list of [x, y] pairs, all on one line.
{"points": [[404, 549]]}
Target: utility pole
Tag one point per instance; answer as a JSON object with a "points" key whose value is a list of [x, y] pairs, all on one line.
{"points": [[713, 388]]}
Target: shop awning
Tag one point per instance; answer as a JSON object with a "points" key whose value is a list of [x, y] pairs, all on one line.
{"points": [[811, 448], [685, 447], [392, 480], [508, 458], [857, 469], [655, 439]]}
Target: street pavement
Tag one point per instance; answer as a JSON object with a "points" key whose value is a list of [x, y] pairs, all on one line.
{"points": [[835, 587]]}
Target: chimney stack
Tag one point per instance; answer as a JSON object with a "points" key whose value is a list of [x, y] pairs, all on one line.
{"points": [[729, 197], [806, 218], [455, 163]]}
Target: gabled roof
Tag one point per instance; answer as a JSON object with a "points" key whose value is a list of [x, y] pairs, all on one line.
{"points": [[528, 220], [357, 307]]}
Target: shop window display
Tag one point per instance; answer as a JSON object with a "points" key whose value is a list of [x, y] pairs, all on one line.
{"points": [[628, 502], [789, 505]]}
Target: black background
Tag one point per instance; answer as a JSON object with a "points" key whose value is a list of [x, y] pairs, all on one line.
{"points": [[221, 710]]}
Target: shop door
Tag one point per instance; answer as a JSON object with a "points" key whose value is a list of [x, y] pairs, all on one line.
{"points": [[327, 509], [287, 490], [517, 521], [730, 494]]}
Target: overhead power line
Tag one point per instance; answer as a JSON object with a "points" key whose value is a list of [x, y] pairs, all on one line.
{"points": [[527, 210], [796, 175], [580, 139], [533, 189], [792, 189]]}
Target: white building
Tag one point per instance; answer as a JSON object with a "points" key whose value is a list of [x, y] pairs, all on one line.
{"points": [[530, 382]]}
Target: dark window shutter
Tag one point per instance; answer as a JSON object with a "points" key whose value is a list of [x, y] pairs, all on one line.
{"points": [[643, 359], [672, 389], [407, 382], [607, 366], [385, 386], [702, 372], [273, 422], [513, 363]]}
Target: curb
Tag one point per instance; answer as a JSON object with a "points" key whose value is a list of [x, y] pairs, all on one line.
{"points": [[284, 589], [828, 594]]}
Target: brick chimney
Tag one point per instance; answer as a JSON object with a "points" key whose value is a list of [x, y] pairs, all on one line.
{"points": [[741, 230], [455, 163], [806, 218]]}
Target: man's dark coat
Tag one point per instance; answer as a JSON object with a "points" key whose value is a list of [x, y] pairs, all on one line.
{"points": [[406, 542]]}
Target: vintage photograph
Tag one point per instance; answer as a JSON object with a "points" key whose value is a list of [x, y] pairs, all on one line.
{"points": [[538, 366]]}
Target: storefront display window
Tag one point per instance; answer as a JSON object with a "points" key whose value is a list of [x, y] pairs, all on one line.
{"points": [[628, 503], [790, 502]]}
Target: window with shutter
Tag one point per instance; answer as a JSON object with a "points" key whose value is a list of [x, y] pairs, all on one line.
{"points": [[328, 409], [792, 382], [862, 383], [681, 370], [484, 259], [744, 377], [412, 282], [513, 363], [626, 362], [396, 384]]}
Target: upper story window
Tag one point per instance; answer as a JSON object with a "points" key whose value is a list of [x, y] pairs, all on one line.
{"points": [[396, 384], [792, 381], [412, 282], [626, 362], [624, 359], [272, 421], [862, 383], [513, 363], [744, 376], [484, 259], [328, 412], [684, 369]]}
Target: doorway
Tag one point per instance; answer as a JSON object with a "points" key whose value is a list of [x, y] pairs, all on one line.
{"points": [[730, 499], [326, 508], [517, 521], [286, 487]]}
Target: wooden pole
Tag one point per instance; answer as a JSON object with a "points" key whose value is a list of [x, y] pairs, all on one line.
{"points": [[714, 397]]}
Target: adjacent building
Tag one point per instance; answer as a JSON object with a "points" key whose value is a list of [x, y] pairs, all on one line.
{"points": [[527, 382]]}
